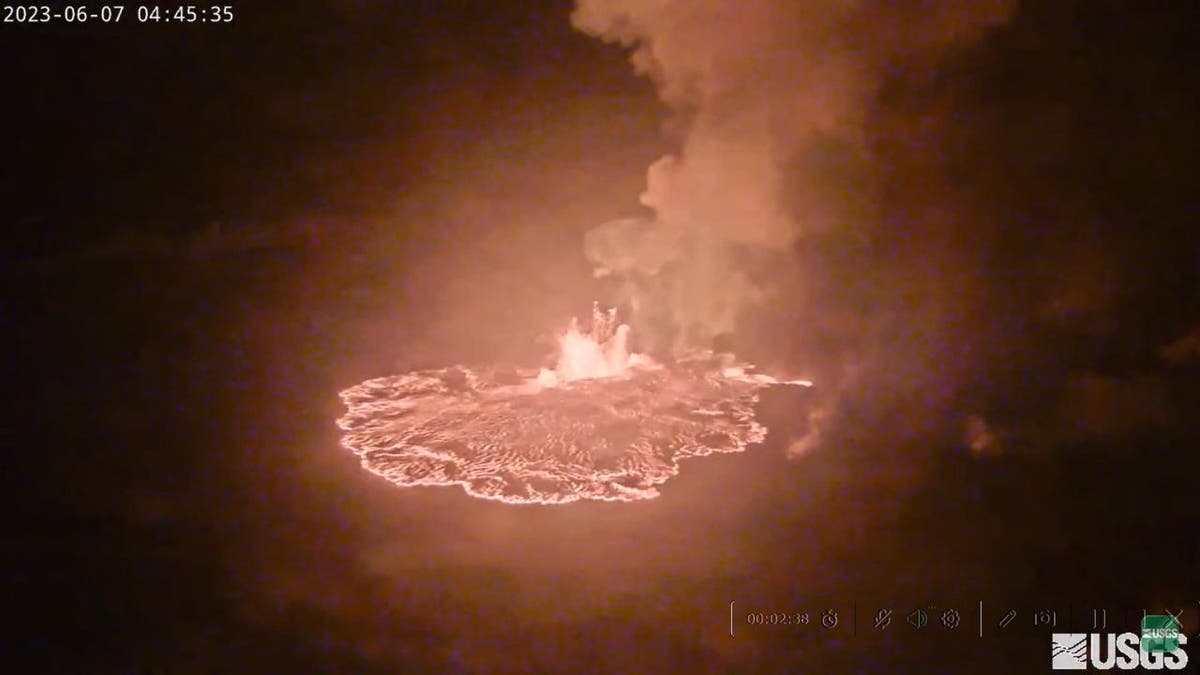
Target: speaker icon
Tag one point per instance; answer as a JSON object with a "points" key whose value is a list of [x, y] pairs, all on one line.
{"points": [[917, 619]]}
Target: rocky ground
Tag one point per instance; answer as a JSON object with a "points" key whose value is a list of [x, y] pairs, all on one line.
{"points": [[181, 504]]}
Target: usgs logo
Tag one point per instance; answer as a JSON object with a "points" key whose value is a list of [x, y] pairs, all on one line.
{"points": [[1125, 651]]}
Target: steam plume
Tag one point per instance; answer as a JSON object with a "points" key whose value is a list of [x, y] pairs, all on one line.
{"points": [[770, 101]]}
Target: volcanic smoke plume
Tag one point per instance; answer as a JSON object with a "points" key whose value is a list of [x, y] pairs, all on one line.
{"points": [[604, 424], [770, 101]]}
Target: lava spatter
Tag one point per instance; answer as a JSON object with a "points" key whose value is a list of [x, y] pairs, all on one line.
{"points": [[604, 425]]}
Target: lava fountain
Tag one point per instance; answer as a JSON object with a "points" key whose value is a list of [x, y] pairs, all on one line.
{"points": [[604, 424]]}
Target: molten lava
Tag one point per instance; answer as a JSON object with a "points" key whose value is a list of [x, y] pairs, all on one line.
{"points": [[604, 424], [602, 352]]}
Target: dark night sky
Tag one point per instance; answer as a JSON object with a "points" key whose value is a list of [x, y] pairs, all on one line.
{"points": [[334, 106], [171, 126], [185, 504]]}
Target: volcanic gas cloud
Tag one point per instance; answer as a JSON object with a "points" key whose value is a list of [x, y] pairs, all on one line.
{"points": [[770, 103], [604, 424]]}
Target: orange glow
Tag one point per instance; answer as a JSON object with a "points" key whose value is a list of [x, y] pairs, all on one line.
{"points": [[601, 352], [604, 425]]}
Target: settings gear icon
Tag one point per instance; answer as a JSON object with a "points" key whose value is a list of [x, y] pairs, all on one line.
{"points": [[951, 619]]}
